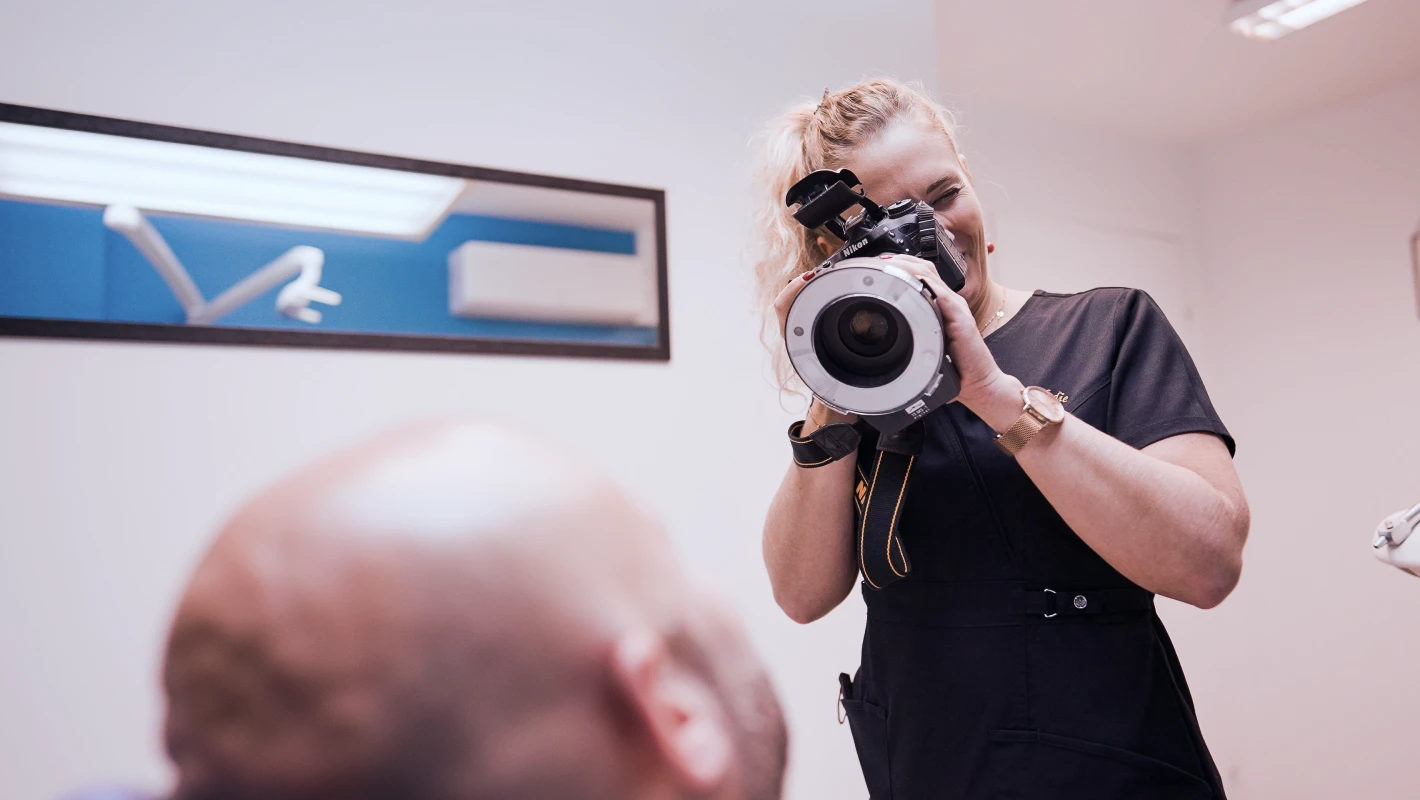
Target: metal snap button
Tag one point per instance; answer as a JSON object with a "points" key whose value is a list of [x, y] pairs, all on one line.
{"points": [[1080, 602]]}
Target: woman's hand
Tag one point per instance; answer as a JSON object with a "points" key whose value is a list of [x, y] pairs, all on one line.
{"points": [[786, 296], [813, 419], [980, 376]]}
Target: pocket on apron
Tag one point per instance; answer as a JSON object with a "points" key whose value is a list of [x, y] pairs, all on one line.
{"points": [[868, 723], [1032, 764]]}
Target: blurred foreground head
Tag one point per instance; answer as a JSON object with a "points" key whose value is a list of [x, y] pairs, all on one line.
{"points": [[458, 611]]}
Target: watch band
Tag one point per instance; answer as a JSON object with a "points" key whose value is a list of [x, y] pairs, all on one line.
{"points": [[825, 445], [1020, 434], [1036, 415]]}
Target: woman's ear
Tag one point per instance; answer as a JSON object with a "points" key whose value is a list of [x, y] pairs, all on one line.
{"points": [[677, 708], [826, 246]]}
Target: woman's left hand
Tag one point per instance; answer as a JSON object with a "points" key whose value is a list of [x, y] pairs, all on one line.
{"points": [[974, 362]]}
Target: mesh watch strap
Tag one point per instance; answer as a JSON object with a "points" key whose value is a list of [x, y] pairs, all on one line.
{"points": [[1020, 434]]}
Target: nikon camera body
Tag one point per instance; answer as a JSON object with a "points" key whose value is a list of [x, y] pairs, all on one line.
{"points": [[864, 336]]}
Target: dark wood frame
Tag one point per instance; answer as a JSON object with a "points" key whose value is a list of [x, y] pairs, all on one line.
{"points": [[141, 332]]}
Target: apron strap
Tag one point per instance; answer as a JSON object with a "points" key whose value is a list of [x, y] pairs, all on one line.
{"points": [[1052, 603], [978, 604]]}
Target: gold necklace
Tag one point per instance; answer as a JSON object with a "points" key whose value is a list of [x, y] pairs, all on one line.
{"points": [[1000, 312]]}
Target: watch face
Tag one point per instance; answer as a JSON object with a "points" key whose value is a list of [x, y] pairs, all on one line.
{"points": [[1047, 404]]}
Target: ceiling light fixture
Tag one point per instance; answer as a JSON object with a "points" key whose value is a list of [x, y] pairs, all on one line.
{"points": [[105, 170], [1273, 19]]}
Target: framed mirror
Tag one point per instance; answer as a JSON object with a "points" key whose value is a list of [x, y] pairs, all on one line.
{"points": [[120, 230]]}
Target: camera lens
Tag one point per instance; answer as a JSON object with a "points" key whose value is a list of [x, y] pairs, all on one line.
{"points": [[870, 327], [863, 341]]}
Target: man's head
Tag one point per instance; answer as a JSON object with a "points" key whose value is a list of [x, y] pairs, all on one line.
{"points": [[458, 611]]}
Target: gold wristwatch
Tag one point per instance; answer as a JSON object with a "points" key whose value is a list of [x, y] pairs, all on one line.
{"points": [[1042, 408]]}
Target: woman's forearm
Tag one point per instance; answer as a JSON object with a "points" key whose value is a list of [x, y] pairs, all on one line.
{"points": [[808, 539], [1159, 515]]}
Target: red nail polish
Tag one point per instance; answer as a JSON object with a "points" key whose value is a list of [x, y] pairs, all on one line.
{"points": [[885, 255], [807, 276]]}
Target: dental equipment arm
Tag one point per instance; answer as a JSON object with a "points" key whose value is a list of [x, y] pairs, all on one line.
{"points": [[301, 262], [1397, 543]]}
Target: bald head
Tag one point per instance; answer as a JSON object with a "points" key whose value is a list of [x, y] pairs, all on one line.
{"points": [[457, 610]]}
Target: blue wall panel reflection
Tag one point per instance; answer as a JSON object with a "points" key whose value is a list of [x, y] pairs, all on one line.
{"points": [[52, 261], [61, 262]]}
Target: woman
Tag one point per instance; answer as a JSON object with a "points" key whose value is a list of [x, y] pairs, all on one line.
{"points": [[1021, 656]]}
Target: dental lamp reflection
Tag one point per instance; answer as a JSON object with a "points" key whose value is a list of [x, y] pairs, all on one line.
{"points": [[301, 262], [1397, 542]]}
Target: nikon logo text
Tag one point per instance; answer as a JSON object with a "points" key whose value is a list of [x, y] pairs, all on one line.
{"points": [[853, 248]]}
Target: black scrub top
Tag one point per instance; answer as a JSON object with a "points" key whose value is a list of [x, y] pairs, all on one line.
{"points": [[1013, 662]]}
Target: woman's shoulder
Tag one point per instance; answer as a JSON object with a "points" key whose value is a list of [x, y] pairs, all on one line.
{"points": [[1104, 306], [1101, 297]]}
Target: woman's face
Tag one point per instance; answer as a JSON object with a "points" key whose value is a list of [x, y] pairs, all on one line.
{"points": [[911, 158]]}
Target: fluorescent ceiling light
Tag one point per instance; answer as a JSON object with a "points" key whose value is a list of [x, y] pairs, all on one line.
{"points": [[1273, 19], [100, 169]]}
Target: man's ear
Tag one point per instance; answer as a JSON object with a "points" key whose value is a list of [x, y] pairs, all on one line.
{"points": [[677, 708]]}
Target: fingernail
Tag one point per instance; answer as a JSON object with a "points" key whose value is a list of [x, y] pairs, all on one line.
{"points": [[885, 255], [808, 276]]}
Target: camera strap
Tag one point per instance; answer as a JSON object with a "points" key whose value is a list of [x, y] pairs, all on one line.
{"points": [[878, 498], [824, 446]]}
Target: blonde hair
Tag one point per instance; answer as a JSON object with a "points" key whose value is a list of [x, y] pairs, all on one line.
{"points": [[810, 137]]}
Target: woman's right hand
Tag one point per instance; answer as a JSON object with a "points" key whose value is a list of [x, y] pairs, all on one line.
{"points": [[824, 415], [786, 296]]}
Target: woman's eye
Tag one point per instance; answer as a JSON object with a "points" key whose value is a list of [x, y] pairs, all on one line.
{"points": [[947, 197]]}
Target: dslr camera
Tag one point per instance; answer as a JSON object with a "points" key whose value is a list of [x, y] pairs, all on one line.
{"points": [[864, 336]]}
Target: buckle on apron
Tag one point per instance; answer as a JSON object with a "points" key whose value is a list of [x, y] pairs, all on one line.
{"points": [[845, 690]]}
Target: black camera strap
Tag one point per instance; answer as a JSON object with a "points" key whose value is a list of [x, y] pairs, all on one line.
{"points": [[824, 446], [878, 498]]}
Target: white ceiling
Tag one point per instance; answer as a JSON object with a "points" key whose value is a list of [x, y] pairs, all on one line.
{"points": [[1165, 70]]}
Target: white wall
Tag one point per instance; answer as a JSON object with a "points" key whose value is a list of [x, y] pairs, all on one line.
{"points": [[118, 461], [1307, 677], [1071, 208]]}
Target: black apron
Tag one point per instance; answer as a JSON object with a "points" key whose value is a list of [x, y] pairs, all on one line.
{"points": [[1013, 662]]}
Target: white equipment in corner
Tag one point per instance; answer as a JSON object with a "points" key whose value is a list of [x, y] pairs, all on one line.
{"points": [[301, 262], [551, 284], [1396, 541]]}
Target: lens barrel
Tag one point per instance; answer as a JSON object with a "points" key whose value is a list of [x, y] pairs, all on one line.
{"points": [[863, 341]]}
